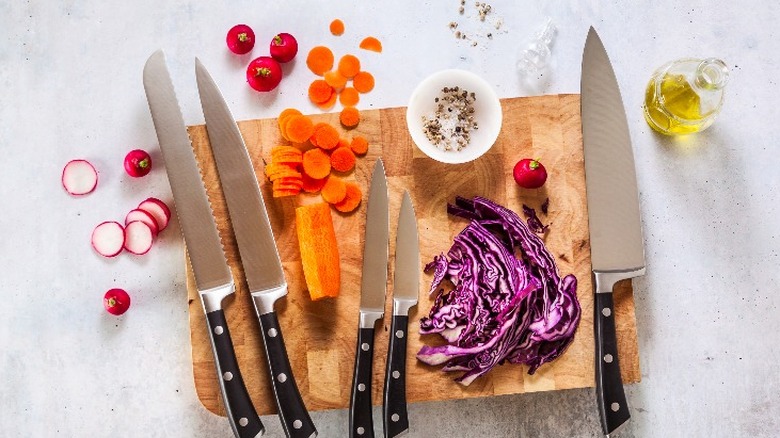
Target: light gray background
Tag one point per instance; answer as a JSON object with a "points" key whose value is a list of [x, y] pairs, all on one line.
{"points": [[70, 86]]}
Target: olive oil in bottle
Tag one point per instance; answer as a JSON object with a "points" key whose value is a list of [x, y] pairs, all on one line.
{"points": [[685, 96]]}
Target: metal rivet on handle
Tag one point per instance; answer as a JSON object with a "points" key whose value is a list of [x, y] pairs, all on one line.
{"points": [[606, 312], [282, 377], [297, 424], [395, 417], [615, 407], [219, 330], [399, 334], [361, 387], [243, 422], [608, 358], [228, 376], [361, 431], [272, 332], [396, 374], [365, 346]]}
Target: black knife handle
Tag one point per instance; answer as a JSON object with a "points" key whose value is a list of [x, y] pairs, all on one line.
{"points": [[295, 418], [361, 422], [609, 385], [243, 417], [394, 415]]}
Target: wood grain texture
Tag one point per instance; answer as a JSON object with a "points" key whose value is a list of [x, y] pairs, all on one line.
{"points": [[321, 335]]}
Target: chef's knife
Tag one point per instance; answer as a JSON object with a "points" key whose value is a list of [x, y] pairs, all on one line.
{"points": [[372, 303], [405, 290], [256, 246], [617, 250], [204, 247]]}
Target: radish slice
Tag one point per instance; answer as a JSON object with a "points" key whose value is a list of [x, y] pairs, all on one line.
{"points": [[108, 239], [138, 237], [143, 216], [159, 211], [79, 177]]}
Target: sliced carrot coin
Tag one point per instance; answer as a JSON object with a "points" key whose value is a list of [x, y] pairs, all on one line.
{"points": [[299, 128], [326, 136], [334, 190], [351, 199], [359, 145], [320, 60], [363, 82], [316, 163], [311, 185], [342, 159], [349, 117], [329, 104], [349, 97], [335, 80], [337, 27], [372, 44], [349, 66], [320, 91]]}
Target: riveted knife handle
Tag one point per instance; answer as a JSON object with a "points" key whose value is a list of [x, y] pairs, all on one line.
{"points": [[609, 385], [361, 422], [394, 413], [292, 411], [241, 412]]}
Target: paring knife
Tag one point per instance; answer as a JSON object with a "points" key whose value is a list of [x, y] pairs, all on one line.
{"points": [[256, 246], [204, 247], [406, 285], [617, 250], [372, 303]]}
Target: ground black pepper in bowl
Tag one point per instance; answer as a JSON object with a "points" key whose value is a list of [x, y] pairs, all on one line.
{"points": [[449, 126]]}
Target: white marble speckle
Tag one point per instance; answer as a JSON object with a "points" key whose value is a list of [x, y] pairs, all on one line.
{"points": [[70, 72]]}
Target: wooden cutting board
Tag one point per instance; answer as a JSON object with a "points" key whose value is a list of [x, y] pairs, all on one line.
{"points": [[321, 336]]}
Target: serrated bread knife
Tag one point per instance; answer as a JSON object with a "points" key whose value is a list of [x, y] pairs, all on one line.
{"points": [[616, 244], [256, 246], [204, 247]]}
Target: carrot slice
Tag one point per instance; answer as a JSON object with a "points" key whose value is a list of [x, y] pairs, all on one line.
{"points": [[351, 199], [286, 154], [320, 60], [313, 138], [349, 66], [349, 117], [372, 44], [316, 163], [296, 181], [283, 116], [319, 91], [342, 159], [284, 193], [349, 97], [329, 104], [299, 128], [343, 142], [311, 185], [359, 145], [337, 27], [326, 136], [334, 190], [335, 80], [363, 82], [319, 250]]}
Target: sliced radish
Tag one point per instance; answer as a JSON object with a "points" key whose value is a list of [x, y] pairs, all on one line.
{"points": [[143, 216], [108, 239], [159, 211], [79, 177], [138, 237]]}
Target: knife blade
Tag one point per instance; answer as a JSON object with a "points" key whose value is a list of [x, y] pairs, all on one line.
{"points": [[406, 285], [617, 249], [372, 302], [256, 247], [204, 247]]}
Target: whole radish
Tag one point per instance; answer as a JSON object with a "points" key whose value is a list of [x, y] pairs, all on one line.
{"points": [[264, 73], [138, 163], [529, 174], [116, 301]]}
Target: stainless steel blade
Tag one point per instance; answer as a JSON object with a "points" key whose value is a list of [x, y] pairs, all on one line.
{"points": [[374, 281], [610, 176], [406, 280], [204, 246], [256, 244]]}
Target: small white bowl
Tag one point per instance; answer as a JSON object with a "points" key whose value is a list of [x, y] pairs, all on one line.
{"points": [[487, 113]]}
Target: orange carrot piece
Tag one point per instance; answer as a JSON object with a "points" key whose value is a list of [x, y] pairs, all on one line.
{"points": [[349, 66], [290, 180], [363, 82], [337, 27], [372, 44], [316, 163], [334, 190], [284, 193], [359, 145], [313, 138], [319, 91], [335, 80], [276, 169], [329, 104], [349, 97], [326, 136], [286, 154], [319, 250], [299, 128], [320, 60], [351, 199], [342, 159], [343, 142], [311, 185], [283, 116], [349, 117]]}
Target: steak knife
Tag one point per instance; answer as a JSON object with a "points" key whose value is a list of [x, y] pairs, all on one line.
{"points": [[372, 303], [204, 247], [406, 285], [617, 249], [256, 246]]}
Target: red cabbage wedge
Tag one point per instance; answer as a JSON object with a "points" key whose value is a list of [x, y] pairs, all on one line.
{"points": [[509, 302]]}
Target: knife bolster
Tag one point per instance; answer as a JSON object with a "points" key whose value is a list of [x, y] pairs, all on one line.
{"points": [[264, 301], [212, 298], [604, 281], [369, 318]]}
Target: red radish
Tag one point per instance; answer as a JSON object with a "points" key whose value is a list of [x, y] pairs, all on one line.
{"points": [[143, 216], [529, 174], [116, 301], [240, 39], [108, 239], [138, 163], [138, 237], [158, 210], [284, 47], [264, 73], [79, 177]]}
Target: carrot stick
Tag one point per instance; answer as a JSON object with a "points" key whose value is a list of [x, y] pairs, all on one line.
{"points": [[349, 117], [351, 199], [363, 82], [342, 159], [319, 250], [349, 66], [372, 44], [349, 97], [316, 163], [334, 190], [320, 60]]}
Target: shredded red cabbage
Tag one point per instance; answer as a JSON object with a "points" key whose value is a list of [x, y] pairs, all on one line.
{"points": [[533, 221], [509, 302]]}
